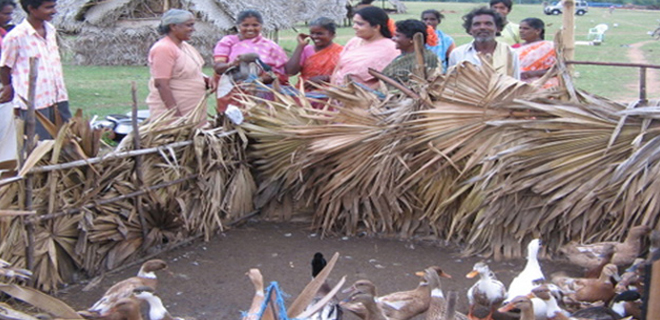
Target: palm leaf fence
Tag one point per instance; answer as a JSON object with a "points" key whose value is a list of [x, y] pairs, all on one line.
{"points": [[472, 157], [93, 212]]}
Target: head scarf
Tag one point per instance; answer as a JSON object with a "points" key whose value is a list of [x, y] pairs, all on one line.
{"points": [[175, 16]]}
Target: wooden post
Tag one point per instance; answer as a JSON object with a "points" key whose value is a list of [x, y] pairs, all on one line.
{"points": [[30, 129], [652, 287], [642, 84], [420, 67], [569, 31], [166, 5], [138, 163]]}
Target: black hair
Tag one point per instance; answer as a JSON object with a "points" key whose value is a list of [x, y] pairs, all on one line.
{"points": [[366, 2], [325, 23], [376, 17], [467, 19], [410, 27], [537, 24], [506, 3], [33, 3], [249, 14], [436, 13]]}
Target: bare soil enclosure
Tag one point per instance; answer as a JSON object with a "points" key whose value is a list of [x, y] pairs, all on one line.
{"points": [[208, 281]]}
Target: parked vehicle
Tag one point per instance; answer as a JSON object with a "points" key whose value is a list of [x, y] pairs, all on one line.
{"points": [[581, 8]]}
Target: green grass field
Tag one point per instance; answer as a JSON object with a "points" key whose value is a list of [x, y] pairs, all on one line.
{"points": [[105, 90]]}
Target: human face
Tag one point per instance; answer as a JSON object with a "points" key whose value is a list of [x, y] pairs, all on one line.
{"points": [[249, 28], [430, 20], [483, 28], [183, 31], [45, 12], [528, 33], [5, 15], [363, 29], [320, 36], [501, 9], [402, 42]]}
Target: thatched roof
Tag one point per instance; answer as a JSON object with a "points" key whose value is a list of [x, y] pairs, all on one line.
{"points": [[73, 15]]}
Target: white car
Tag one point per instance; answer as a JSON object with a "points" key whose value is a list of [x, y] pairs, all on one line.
{"points": [[581, 7]]}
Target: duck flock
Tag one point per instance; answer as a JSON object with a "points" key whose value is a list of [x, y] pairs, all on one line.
{"points": [[611, 288]]}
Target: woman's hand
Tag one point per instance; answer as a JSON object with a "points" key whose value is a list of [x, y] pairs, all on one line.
{"points": [[303, 39], [211, 83], [266, 78]]}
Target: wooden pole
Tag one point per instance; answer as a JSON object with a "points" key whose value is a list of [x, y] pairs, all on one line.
{"points": [[651, 307], [642, 85], [137, 168], [30, 129], [569, 32]]}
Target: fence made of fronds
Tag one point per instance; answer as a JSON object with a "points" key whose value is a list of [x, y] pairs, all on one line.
{"points": [[493, 163], [203, 184]]}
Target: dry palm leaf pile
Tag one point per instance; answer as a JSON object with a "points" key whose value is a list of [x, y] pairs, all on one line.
{"points": [[205, 183], [473, 157]]}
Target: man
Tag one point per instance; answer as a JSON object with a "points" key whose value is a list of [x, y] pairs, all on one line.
{"points": [[8, 143], [34, 37], [482, 24], [510, 32]]}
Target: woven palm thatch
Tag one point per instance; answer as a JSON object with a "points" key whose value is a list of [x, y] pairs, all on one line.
{"points": [[107, 231], [487, 161], [120, 32]]}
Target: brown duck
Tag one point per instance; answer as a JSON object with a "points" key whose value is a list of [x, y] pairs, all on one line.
{"points": [[590, 255], [124, 289]]}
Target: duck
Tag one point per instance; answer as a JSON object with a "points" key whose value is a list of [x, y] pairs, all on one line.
{"points": [[628, 303], [606, 257], [488, 291], [157, 310], [372, 310], [631, 279], [404, 305], [123, 309], [531, 276], [592, 290], [552, 308], [124, 289], [590, 255], [359, 286], [522, 303], [257, 280], [439, 307], [331, 310], [599, 313]]}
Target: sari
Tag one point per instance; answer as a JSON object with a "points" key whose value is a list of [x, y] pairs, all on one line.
{"points": [[539, 55], [182, 65], [358, 56], [319, 63], [444, 42], [269, 52]]}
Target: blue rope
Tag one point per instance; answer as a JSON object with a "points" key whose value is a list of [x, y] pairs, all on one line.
{"points": [[279, 301]]}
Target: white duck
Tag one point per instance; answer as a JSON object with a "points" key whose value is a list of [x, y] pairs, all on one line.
{"points": [[488, 291], [531, 276], [157, 310]]}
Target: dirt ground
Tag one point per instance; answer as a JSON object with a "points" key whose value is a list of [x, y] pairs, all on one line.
{"points": [[208, 278]]}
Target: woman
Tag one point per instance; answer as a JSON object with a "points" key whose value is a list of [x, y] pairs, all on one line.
{"points": [[370, 48], [445, 44], [248, 42], [536, 55], [177, 82], [401, 67], [315, 62]]}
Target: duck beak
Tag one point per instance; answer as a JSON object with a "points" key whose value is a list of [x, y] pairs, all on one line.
{"points": [[505, 308], [472, 274], [531, 295], [420, 273], [350, 290], [445, 275]]}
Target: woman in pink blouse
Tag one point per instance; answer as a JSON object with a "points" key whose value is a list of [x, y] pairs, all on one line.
{"points": [[249, 41], [177, 82]]}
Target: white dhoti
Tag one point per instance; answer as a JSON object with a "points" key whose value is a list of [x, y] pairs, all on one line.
{"points": [[8, 140]]}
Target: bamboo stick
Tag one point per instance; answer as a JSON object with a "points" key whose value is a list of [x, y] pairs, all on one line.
{"points": [[137, 166], [420, 68], [30, 130], [106, 201], [569, 31]]}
